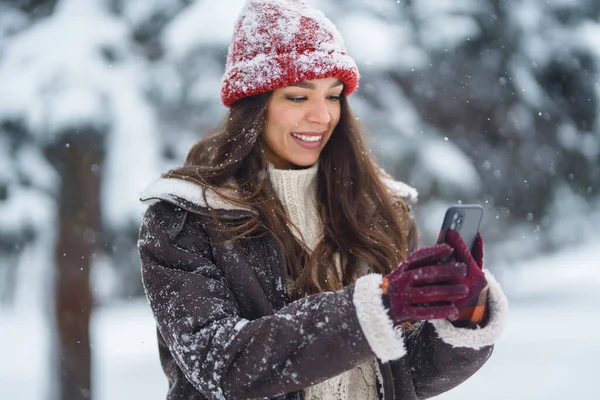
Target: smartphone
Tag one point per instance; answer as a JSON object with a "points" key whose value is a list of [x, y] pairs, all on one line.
{"points": [[464, 218]]}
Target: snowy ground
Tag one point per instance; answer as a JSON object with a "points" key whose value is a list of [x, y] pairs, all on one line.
{"points": [[549, 350]]}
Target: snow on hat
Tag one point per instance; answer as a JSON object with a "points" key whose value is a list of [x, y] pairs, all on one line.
{"points": [[277, 43]]}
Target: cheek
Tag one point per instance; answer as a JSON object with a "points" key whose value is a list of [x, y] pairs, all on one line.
{"points": [[284, 120], [280, 122]]}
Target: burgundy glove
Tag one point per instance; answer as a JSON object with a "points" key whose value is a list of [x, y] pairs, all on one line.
{"points": [[425, 286], [475, 278]]}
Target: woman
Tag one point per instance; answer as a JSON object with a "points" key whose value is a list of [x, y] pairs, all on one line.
{"points": [[275, 261]]}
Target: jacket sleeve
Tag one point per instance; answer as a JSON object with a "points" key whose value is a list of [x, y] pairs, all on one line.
{"points": [[226, 356], [441, 356]]}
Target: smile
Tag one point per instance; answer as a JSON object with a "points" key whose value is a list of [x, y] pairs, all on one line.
{"points": [[308, 138]]}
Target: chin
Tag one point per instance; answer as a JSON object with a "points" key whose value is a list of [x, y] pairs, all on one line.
{"points": [[304, 162]]}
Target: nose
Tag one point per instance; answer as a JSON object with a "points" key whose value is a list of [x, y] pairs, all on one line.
{"points": [[319, 113]]}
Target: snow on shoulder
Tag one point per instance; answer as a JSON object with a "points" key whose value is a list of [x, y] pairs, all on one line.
{"points": [[169, 189]]}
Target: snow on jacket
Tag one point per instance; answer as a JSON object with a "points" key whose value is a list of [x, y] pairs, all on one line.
{"points": [[227, 330]]}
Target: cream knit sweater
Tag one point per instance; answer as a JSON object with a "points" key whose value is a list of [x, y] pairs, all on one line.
{"points": [[296, 190]]}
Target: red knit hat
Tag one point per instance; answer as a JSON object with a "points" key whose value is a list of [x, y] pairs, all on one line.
{"points": [[277, 43]]}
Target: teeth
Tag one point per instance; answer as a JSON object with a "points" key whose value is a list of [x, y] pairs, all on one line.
{"points": [[308, 138]]}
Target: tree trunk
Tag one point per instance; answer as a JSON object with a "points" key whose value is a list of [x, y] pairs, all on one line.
{"points": [[76, 158]]}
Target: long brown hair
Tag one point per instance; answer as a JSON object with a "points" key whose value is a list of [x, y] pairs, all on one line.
{"points": [[362, 222]]}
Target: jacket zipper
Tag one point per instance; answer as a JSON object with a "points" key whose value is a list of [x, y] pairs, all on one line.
{"points": [[381, 382], [392, 380], [388, 389]]}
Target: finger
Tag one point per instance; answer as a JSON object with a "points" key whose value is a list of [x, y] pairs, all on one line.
{"points": [[425, 313], [461, 251], [437, 293], [448, 272], [428, 255], [478, 250]]}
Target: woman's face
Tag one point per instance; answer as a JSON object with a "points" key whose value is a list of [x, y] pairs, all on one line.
{"points": [[300, 121]]}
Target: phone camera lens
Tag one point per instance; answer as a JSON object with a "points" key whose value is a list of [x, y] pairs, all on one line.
{"points": [[455, 216], [453, 225]]}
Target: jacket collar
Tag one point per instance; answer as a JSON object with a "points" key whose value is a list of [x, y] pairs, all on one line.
{"points": [[191, 196]]}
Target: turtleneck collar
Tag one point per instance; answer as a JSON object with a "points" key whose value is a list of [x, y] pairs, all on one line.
{"points": [[296, 189], [300, 179]]}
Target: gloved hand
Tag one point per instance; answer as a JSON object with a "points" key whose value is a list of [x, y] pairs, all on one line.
{"points": [[426, 286], [475, 278]]}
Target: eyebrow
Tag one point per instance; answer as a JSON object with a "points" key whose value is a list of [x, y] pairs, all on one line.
{"points": [[309, 85]]}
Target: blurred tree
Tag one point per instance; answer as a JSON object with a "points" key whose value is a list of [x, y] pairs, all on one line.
{"points": [[33, 8], [76, 157], [69, 116], [518, 95], [71, 154]]}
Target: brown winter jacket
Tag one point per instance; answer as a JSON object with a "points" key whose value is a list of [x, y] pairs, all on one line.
{"points": [[226, 329]]}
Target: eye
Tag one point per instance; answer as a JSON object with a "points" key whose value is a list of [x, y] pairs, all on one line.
{"points": [[296, 99], [334, 99]]}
